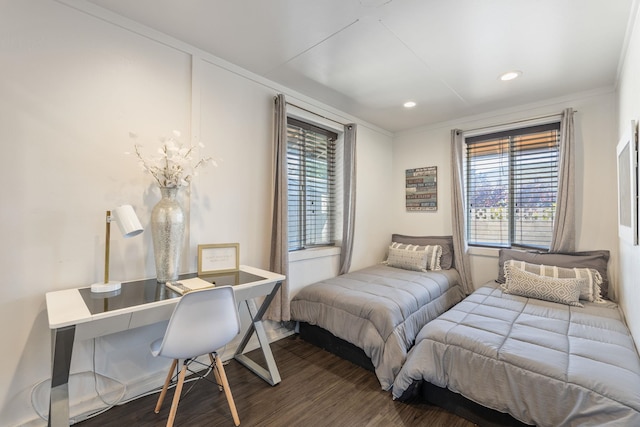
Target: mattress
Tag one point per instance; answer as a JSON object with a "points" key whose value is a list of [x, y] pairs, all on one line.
{"points": [[544, 363], [380, 309]]}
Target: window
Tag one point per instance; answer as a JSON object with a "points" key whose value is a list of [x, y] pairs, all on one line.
{"points": [[512, 185], [311, 165]]}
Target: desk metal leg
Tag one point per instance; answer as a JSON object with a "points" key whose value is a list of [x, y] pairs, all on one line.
{"points": [[61, 348], [270, 375]]}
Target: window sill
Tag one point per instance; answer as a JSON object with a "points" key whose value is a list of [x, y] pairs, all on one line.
{"points": [[483, 251], [313, 253]]}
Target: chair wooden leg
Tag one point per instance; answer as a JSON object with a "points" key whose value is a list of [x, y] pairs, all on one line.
{"points": [[176, 395], [215, 371], [163, 393], [227, 391]]}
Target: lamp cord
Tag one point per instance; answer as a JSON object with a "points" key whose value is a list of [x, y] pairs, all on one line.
{"points": [[95, 381], [119, 401]]}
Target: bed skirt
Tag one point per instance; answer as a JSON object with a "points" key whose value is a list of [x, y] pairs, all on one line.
{"points": [[465, 408], [329, 342]]}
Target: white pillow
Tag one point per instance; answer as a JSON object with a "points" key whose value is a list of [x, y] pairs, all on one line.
{"points": [[434, 253], [531, 285]]}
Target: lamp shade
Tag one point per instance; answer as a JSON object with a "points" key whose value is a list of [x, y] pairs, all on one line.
{"points": [[130, 226], [127, 220]]}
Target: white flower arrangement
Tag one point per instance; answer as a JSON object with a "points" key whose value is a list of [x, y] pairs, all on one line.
{"points": [[174, 165]]}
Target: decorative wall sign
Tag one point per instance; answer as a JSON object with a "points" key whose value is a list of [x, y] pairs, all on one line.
{"points": [[422, 189], [627, 151]]}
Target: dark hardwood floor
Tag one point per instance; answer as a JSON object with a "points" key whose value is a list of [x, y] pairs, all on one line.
{"points": [[317, 389]]}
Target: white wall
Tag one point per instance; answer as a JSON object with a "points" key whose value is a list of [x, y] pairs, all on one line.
{"points": [[595, 174], [74, 83], [629, 109], [73, 86]]}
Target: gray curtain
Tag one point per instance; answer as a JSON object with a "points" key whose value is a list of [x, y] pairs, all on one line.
{"points": [[349, 192], [564, 230], [460, 248], [279, 309]]}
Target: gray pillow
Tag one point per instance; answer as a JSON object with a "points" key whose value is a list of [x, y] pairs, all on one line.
{"points": [[433, 256], [591, 290], [407, 259], [531, 285], [597, 260], [446, 260]]}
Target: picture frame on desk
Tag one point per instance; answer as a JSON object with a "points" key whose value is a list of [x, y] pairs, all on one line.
{"points": [[218, 258]]}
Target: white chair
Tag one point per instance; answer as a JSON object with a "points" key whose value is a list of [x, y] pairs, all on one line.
{"points": [[202, 322]]}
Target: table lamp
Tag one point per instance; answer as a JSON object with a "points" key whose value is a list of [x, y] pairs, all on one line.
{"points": [[130, 226]]}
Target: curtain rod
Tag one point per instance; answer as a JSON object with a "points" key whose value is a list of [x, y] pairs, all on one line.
{"points": [[515, 122], [314, 113]]}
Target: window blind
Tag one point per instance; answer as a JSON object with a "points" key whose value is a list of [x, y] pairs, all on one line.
{"points": [[311, 152], [512, 185]]}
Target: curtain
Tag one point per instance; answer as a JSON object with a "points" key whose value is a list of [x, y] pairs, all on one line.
{"points": [[460, 248], [564, 234], [279, 262], [349, 197]]}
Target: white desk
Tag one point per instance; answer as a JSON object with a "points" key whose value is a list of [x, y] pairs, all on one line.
{"points": [[76, 314]]}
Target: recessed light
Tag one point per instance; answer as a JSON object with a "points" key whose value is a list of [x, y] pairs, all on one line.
{"points": [[510, 75], [409, 104]]}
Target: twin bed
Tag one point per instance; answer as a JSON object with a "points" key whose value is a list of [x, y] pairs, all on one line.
{"points": [[372, 316], [540, 346], [545, 363]]}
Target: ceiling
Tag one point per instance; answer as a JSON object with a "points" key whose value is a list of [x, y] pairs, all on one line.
{"points": [[367, 57]]}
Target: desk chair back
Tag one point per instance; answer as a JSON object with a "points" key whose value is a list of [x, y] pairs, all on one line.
{"points": [[202, 322]]}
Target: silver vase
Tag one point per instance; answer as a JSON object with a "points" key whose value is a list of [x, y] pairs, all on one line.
{"points": [[167, 229]]}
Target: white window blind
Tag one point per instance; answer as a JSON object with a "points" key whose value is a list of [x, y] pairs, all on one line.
{"points": [[311, 152], [512, 186]]}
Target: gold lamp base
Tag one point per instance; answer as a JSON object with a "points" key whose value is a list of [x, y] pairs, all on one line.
{"points": [[130, 226]]}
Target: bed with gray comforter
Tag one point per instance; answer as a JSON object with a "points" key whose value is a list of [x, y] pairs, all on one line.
{"points": [[545, 363], [380, 309]]}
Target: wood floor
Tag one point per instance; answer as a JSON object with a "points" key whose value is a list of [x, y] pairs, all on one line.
{"points": [[317, 389]]}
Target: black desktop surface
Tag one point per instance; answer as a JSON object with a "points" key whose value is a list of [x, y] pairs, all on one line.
{"points": [[149, 290]]}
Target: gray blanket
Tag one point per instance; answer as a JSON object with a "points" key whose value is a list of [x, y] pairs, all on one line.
{"points": [[544, 363], [380, 309]]}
